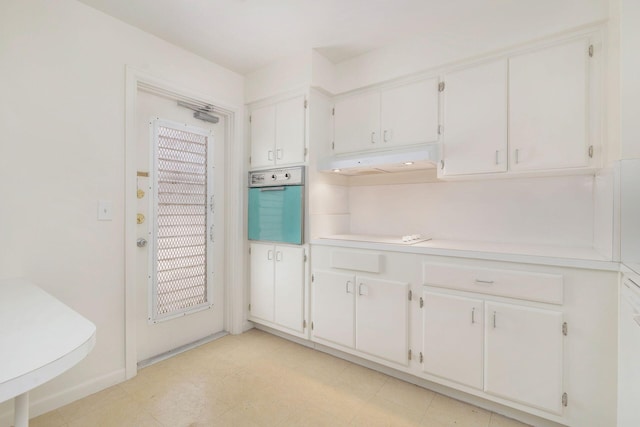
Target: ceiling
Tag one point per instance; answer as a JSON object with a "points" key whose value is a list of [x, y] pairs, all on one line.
{"points": [[244, 35]]}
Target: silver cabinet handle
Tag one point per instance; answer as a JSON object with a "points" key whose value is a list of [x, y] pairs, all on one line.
{"points": [[278, 256], [269, 255], [141, 242], [347, 286], [485, 282], [473, 315], [373, 134], [279, 153], [384, 135], [517, 155], [270, 155], [497, 161]]}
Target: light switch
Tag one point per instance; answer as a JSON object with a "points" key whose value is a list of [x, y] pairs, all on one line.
{"points": [[105, 210]]}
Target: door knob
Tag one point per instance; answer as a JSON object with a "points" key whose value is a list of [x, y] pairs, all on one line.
{"points": [[141, 242]]}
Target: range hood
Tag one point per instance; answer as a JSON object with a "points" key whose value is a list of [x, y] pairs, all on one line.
{"points": [[425, 156]]}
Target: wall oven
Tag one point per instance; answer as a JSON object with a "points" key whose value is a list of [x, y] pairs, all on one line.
{"points": [[276, 205]]}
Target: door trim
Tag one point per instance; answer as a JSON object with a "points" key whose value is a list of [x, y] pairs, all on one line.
{"points": [[234, 207]]}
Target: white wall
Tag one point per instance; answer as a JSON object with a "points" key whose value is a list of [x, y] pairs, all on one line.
{"points": [[62, 112], [546, 211]]}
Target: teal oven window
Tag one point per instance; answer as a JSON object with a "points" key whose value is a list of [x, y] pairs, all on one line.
{"points": [[275, 214]]}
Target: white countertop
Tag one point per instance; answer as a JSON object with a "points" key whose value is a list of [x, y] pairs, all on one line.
{"points": [[40, 337], [579, 257]]}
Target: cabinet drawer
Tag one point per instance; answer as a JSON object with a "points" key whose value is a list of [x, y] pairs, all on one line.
{"points": [[356, 261], [509, 283]]}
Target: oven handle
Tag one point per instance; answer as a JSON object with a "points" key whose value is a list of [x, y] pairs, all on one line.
{"points": [[281, 188]]}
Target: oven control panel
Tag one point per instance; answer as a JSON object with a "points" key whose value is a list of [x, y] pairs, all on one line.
{"points": [[277, 177]]}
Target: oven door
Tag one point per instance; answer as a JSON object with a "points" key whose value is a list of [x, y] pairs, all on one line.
{"points": [[275, 214]]}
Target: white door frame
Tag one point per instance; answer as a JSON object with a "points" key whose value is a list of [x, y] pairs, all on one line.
{"points": [[234, 206]]}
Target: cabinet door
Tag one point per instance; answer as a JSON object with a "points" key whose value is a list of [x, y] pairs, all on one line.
{"points": [[409, 114], [289, 287], [475, 120], [382, 319], [548, 93], [523, 355], [290, 131], [333, 307], [452, 338], [262, 274], [263, 136], [356, 123]]}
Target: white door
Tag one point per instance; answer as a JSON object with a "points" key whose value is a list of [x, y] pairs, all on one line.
{"points": [[289, 287], [261, 283], [333, 307], [452, 338], [356, 123], [180, 271], [475, 120], [290, 131], [263, 136], [523, 355], [409, 114], [548, 107], [382, 319]]}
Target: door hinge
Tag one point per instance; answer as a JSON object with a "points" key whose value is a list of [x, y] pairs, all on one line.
{"points": [[304, 324], [249, 307], [409, 354], [312, 326], [333, 111], [249, 159], [565, 329], [249, 250], [440, 129], [421, 302], [305, 257], [305, 103], [591, 151], [421, 357], [313, 278], [591, 51], [306, 150], [441, 164], [410, 295], [333, 145], [441, 87], [249, 119], [565, 399]]}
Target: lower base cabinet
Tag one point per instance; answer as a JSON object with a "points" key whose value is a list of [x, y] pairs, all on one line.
{"points": [[277, 286], [523, 355], [453, 334], [365, 313], [521, 348]]}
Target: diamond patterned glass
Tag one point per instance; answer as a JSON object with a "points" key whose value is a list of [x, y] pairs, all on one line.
{"points": [[181, 221]]}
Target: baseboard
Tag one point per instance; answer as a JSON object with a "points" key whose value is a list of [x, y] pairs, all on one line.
{"points": [[66, 396]]}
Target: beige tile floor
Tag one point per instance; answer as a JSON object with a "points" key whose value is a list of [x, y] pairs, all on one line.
{"points": [[257, 379]]}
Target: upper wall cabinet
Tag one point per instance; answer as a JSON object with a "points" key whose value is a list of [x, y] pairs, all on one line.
{"points": [[527, 112], [397, 116], [475, 120], [548, 107], [278, 133]]}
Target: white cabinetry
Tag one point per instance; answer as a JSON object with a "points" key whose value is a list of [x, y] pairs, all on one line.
{"points": [[527, 112], [548, 107], [475, 120], [278, 133], [365, 313], [453, 338], [277, 286], [523, 355], [398, 116]]}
